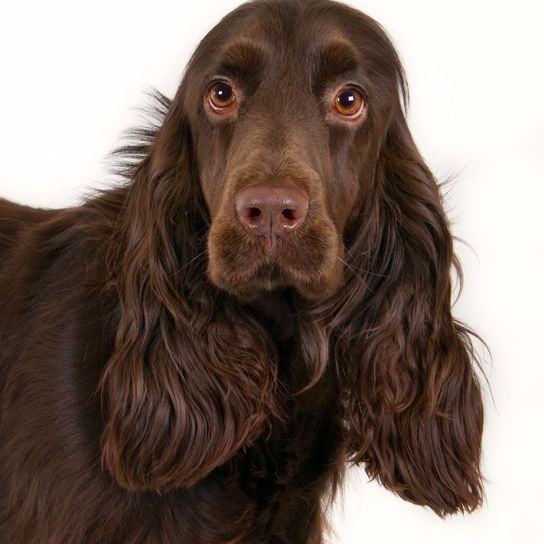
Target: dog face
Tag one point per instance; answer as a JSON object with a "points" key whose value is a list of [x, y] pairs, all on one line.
{"points": [[286, 106]]}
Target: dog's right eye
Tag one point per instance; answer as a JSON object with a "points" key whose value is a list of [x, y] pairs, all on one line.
{"points": [[221, 97]]}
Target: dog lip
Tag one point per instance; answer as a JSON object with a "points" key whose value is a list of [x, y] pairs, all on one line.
{"points": [[271, 243]]}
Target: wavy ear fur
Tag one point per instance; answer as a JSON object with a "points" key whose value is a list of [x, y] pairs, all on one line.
{"points": [[191, 379], [412, 407]]}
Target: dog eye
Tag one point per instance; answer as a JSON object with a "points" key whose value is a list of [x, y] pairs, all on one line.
{"points": [[221, 96], [349, 102]]}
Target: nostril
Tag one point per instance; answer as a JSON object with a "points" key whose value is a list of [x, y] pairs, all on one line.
{"points": [[253, 212], [289, 214]]}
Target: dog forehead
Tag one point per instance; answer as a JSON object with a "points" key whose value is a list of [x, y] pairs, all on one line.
{"points": [[278, 34]]}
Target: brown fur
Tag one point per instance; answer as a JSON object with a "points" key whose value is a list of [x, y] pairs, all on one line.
{"points": [[165, 379]]}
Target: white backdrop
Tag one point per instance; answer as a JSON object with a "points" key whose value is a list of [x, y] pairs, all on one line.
{"points": [[72, 75]]}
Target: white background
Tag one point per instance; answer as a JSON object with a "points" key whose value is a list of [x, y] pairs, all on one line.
{"points": [[73, 73]]}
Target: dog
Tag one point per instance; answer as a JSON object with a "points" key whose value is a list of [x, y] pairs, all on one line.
{"points": [[195, 355]]}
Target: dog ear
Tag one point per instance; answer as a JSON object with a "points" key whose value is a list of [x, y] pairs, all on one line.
{"points": [[412, 402], [191, 377]]}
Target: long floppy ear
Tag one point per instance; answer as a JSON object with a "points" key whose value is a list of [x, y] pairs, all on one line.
{"points": [[412, 406], [191, 378]]}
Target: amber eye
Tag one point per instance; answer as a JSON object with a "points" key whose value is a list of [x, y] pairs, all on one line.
{"points": [[221, 96], [349, 102]]}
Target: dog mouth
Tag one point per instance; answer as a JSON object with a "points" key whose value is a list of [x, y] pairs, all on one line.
{"points": [[251, 266], [267, 277], [272, 245]]}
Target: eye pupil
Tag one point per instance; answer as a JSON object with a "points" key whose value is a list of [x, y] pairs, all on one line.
{"points": [[223, 92], [347, 99]]}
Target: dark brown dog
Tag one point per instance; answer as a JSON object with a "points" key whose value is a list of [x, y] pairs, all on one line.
{"points": [[194, 356]]}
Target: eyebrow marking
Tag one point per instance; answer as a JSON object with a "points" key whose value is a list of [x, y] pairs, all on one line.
{"points": [[335, 59], [241, 59]]}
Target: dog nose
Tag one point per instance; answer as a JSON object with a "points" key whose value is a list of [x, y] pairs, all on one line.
{"points": [[267, 210]]}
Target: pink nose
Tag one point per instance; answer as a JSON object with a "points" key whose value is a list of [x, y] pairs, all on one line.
{"points": [[266, 210]]}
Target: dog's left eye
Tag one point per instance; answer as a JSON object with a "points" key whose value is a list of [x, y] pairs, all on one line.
{"points": [[349, 102], [221, 97]]}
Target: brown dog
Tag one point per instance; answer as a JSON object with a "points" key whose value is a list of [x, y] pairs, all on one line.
{"points": [[194, 356]]}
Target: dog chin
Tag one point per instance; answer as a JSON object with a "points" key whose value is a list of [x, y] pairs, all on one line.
{"points": [[272, 278]]}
